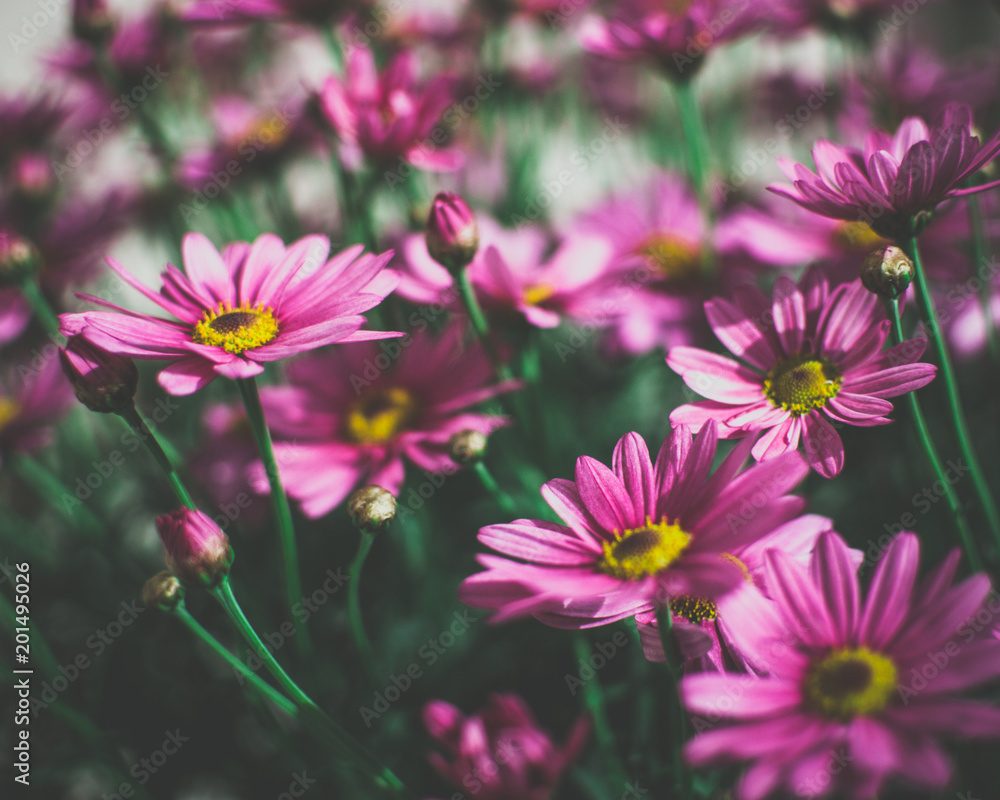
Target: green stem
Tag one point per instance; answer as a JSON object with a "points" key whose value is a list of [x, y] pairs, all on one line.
{"points": [[979, 246], [926, 303], [489, 483], [148, 438], [958, 513], [671, 652], [696, 140], [345, 743], [56, 494], [282, 510], [255, 680], [361, 640], [593, 696], [479, 324], [40, 306]]}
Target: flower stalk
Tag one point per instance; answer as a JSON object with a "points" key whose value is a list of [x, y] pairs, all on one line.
{"points": [[926, 303], [138, 426], [282, 508]]}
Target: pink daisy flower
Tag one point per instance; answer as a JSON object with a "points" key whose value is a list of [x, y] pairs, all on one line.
{"points": [[238, 310], [500, 753], [704, 626], [386, 115], [32, 400], [850, 675], [635, 535], [813, 354], [357, 414], [511, 274], [893, 178], [664, 32]]}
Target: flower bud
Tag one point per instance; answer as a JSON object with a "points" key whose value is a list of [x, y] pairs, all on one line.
{"points": [[162, 592], [452, 232], [92, 21], [104, 382], [887, 272], [371, 508], [197, 549], [18, 258], [466, 446], [31, 176]]}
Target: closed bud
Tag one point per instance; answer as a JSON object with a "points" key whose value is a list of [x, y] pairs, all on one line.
{"points": [[887, 272], [162, 592], [31, 177], [18, 258], [104, 382], [371, 508], [452, 232], [197, 549], [466, 446]]}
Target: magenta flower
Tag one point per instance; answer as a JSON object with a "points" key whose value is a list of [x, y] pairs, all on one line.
{"points": [[500, 753], [674, 36], [703, 627], [386, 116], [356, 415], [33, 397], [871, 680], [511, 275], [813, 354], [895, 177], [236, 311], [197, 551], [636, 534], [104, 382]]}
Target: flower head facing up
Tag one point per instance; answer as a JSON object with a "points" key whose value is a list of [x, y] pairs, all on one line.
{"points": [[813, 355], [355, 416], [502, 747], [637, 534], [235, 311], [197, 551], [849, 674], [386, 115], [893, 180]]}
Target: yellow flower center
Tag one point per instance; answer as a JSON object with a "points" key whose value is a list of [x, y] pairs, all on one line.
{"points": [[379, 416], [675, 258], [850, 682], [9, 411], [637, 553], [858, 236], [236, 329], [265, 132], [801, 383], [539, 293], [693, 609]]}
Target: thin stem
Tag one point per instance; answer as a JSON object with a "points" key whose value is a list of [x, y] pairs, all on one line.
{"points": [[361, 640], [501, 497], [57, 495], [693, 127], [381, 775], [593, 696], [148, 438], [671, 652], [282, 509], [954, 401], [40, 306], [979, 246], [479, 324], [958, 513], [255, 680]]}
